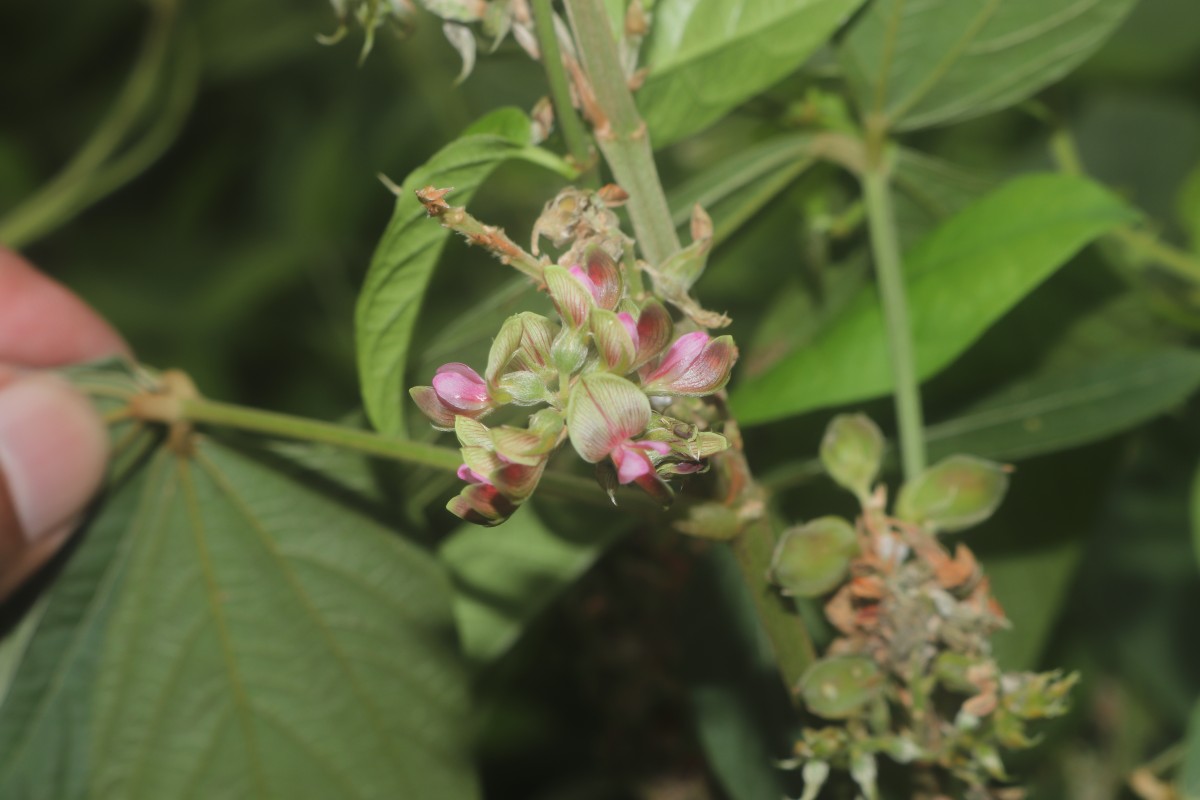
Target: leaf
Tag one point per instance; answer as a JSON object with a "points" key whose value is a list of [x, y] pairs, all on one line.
{"points": [[505, 577], [707, 56], [227, 628], [918, 63], [1064, 407], [409, 250], [736, 188], [959, 280]]}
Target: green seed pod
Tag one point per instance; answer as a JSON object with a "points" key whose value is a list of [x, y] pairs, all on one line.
{"points": [[838, 687], [951, 670], [955, 493], [812, 559], [710, 521], [852, 451]]}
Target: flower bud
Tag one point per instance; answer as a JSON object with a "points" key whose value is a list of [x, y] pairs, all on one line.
{"points": [[427, 400], [481, 504], [526, 337], [523, 388], [616, 347], [461, 389], [602, 277], [838, 687], [569, 351], [956, 493], [696, 365], [571, 297], [654, 329], [812, 559], [852, 451]]}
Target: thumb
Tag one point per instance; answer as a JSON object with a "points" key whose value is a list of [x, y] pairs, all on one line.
{"points": [[53, 452]]}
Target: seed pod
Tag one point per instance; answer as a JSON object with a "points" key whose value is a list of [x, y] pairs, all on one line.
{"points": [[812, 559], [838, 687], [956, 493], [852, 451]]}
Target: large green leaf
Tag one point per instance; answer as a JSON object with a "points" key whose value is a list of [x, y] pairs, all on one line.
{"points": [[408, 252], [230, 627], [1063, 407], [706, 56], [917, 63], [504, 578], [959, 280]]}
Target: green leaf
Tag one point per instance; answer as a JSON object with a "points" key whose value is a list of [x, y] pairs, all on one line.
{"points": [[737, 188], [938, 61], [409, 250], [227, 629], [1062, 407], [960, 279], [707, 56], [505, 577]]}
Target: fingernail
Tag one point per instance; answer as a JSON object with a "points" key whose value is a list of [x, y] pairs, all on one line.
{"points": [[53, 451]]}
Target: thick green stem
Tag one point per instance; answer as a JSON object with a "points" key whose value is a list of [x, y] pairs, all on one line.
{"points": [[620, 132], [885, 246], [574, 133]]}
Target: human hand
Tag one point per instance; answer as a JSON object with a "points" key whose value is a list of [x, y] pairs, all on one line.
{"points": [[53, 445]]}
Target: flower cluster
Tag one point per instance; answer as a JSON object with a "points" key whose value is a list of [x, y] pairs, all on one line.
{"points": [[910, 675], [600, 374]]}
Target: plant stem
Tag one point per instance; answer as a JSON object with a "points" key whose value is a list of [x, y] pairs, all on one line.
{"points": [[574, 133], [76, 186], [885, 246], [213, 412], [625, 144], [620, 132], [790, 643]]}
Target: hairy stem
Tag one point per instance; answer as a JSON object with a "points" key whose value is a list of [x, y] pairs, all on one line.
{"points": [[574, 133], [885, 246], [620, 132]]}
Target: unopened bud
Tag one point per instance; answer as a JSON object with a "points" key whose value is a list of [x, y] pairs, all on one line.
{"points": [[852, 451]]}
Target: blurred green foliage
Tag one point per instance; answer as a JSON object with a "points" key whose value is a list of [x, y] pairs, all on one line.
{"points": [[237, 256]]}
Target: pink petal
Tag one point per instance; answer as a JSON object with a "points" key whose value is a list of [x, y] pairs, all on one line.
{"points": [[632, 463], [461, 388], [471, 476], [687, 348], [586, 281], [631, 326]]}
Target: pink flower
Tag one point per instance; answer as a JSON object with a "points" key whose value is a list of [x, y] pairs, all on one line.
{"points": [[631, 327], [457, 391], [633, 460], [696, 365], [602, 278], [461, 388], [471, 476]]}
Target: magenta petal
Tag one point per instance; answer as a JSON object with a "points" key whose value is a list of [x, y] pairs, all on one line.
{"points": [[461, 388], [471, 476], [662, 448], [687, 348], [631, 326], [632, 463], [586, 281]]}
